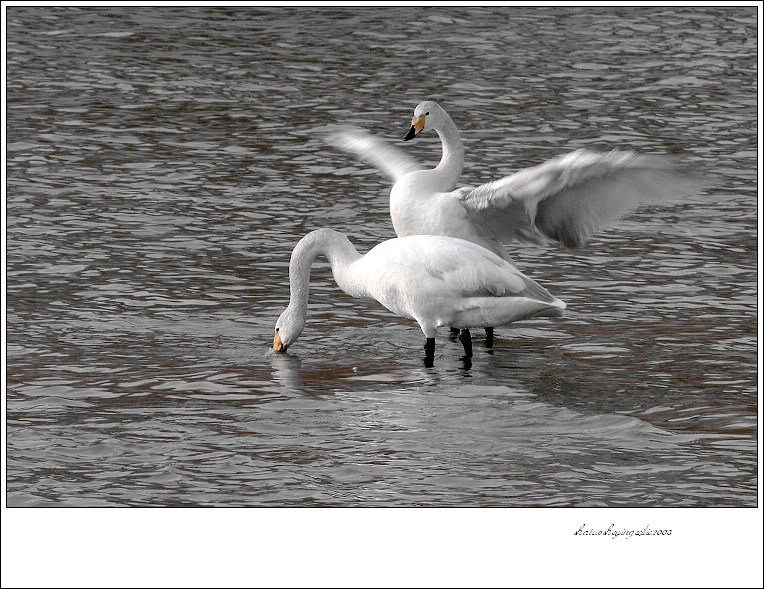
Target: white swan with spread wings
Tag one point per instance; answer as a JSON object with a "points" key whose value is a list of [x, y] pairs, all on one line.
{"points": [[565, 199]]}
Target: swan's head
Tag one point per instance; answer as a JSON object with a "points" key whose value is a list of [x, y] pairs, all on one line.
{"points": [[288, 328], [427, 115]]}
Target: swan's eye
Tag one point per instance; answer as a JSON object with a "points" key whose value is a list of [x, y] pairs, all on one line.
{"points": [[277, 330], [428, 112]]}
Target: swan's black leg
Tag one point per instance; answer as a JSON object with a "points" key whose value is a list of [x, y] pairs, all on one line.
{"points": [[429, 352], [466, 340], [489, 337]]}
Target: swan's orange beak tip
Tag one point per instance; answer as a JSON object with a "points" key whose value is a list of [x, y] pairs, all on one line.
{"points": [[277, 345]]}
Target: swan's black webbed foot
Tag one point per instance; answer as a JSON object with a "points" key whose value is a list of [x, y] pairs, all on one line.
{"points": [[466, 340], [429, 352], [453, 332], [489, 337]]}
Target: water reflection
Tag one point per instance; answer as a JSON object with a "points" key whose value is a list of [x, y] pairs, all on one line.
{"points": [[287, 371]]}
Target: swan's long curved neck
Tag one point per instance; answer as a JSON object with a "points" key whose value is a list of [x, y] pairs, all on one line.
{"points": [[332, 244], [451, 162]]}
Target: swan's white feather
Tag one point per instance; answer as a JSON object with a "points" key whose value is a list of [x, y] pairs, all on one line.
{"points": [[569, 197], [394, 162]]}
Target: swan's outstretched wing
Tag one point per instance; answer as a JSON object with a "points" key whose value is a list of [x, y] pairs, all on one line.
{"points": [[370, 149], [569, 197]]}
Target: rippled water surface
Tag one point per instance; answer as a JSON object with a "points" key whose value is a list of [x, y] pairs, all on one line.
{"points": [[162, 163]]}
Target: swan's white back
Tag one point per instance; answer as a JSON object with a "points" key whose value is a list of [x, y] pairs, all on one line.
{"points": [[435, 280], [444, 281]]}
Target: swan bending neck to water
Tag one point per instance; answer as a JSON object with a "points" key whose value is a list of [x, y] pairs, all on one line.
{"points": [[434, 280]]}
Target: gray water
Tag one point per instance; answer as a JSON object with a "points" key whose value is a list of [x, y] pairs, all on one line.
{"points": [[163, 162]]}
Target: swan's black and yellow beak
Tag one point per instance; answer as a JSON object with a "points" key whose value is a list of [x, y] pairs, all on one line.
{"points": [[417, 124], [277, 345]]}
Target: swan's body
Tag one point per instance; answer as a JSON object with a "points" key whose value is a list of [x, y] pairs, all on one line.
{"points": [[434, 280], [565, 199]]}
